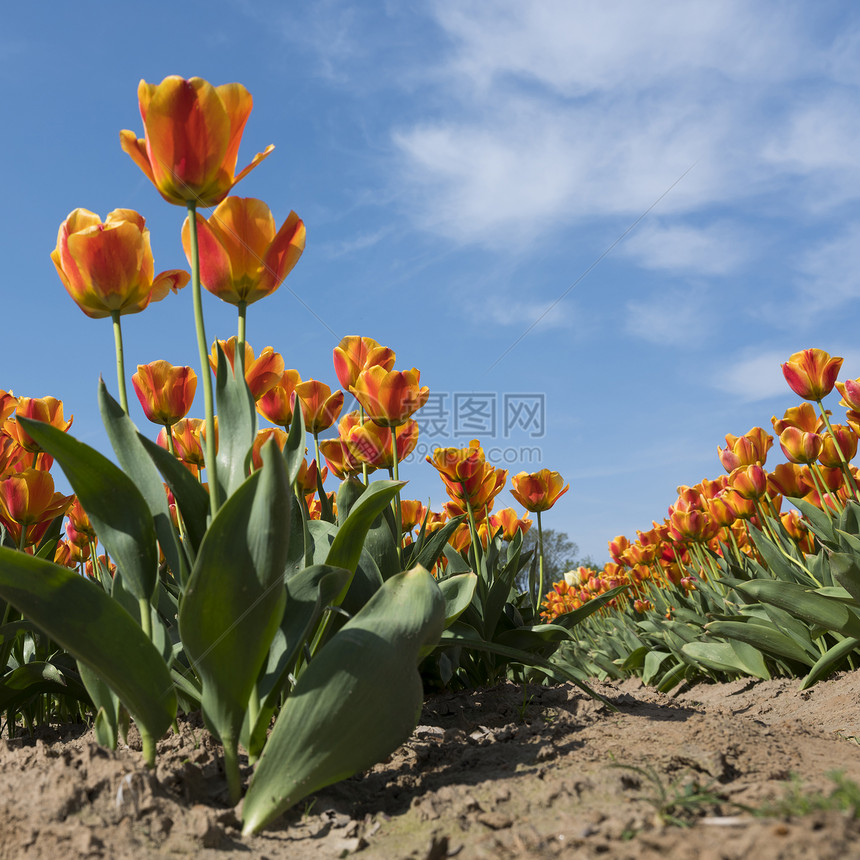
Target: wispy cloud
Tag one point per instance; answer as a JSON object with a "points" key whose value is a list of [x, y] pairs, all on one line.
{"points": [[675, 317], [360, 242], [718, 249]]}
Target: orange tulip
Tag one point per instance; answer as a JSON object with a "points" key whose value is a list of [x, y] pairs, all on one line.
{"points": [[262, 374], [243, 258], [803, 417], [847, 441], [389, 397], [108, 268], [799, 446], [276, 405], [339, 459], [412, 514], [47, 409], [12, 455], [79, 529], [850, 391], [811, 373], [508, 521], [192, 132], [745, 450], [307, 477], [458, 464], [28, 504], [372, 444], [538, 491], [790, 479], [320, 407], [261, 438], [187, 437], [165, 392], [355, 354], [749, 481], [8, 402]]}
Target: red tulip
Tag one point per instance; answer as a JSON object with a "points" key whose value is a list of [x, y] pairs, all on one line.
{"points": [[538, 491], [811, 373]]}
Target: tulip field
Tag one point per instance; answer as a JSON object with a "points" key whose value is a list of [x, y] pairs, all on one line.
{"points": [[276, 580]]}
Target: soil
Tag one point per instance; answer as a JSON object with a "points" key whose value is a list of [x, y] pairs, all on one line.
{"points": [[496, 773]]}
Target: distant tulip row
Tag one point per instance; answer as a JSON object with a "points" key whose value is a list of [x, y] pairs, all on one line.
{"points": [[715, 516]]}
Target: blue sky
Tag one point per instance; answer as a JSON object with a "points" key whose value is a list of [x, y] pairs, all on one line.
{"points": [[631, 213]]}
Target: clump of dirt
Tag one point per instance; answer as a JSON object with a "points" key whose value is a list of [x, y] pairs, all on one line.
{"points": [[504, 772]]}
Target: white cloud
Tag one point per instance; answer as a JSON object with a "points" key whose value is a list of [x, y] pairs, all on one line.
{"points": [[671, 317], [718, 249], [829, 273], [356, 243]]}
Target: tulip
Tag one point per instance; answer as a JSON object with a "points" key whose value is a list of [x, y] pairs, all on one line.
{"points": [[243, 258], [371, 444], [187, 436], [28, 504], [749, 481], [355, 354], [538, 491], [79, 529], [261, 438], [799, 446], [412, 513], [339, 459], [846, 440], [745, 450], [107, 268], [508, 521], [46, 409], [12, 455], [320, 408], [803, 417], [389, 397], [850, 391], [8, 402], [790, 479], [458, 464], [165, 392], [276, 404], [262, 373], [192, 132], [811, 373], [306, 480]]}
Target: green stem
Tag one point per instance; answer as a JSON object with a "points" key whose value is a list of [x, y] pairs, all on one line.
{"points": [[148, 747], [145, 617], [208, 398], [398, 509], [240, 344], [120, 361], [231, 769], [540, 562]]}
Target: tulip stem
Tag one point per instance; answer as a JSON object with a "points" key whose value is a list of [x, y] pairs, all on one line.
{"points": [[540, 562], [398, 511], [208, 398], [120, 361], [240, 344]]}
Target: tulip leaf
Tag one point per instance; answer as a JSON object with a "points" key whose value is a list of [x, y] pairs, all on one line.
{"points": [[117, 510], [829, 661], [294, 447], [357, 701], [31, 679], [308, 594], [235, 596], [762, 636], [846, 571], [107, 704], [237, 425], [799, 601], [191, 498], [95, 630], [427, 550], [346, 549], [652, 663], [125, 439], [348, 493], [457, 591]]}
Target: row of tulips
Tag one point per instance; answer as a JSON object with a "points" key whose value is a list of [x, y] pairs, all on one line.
{"points": [[754, 572], [212, 569]]}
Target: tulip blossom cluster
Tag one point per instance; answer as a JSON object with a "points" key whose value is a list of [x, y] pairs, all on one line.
{"points": [[716, 516]]}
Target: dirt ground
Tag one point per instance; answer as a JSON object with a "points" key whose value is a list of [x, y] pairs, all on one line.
{"points": [[495, 773]]}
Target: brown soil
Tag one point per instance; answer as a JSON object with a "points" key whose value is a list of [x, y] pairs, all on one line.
{"points": [[486, 775]]}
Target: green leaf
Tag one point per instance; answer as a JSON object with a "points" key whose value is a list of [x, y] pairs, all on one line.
{"points": [[537, 638], [94, 629], [846, 571], [357, 701], [829, 661], [191, 498], [820, 522], [235, 597], [799, 601], [107, 706], [132, 456], [714, 655], [24, 682], [346, 549], [457, 591], [764, 637], [237, 425], [294, 447], [653, 662], [117, 510], [426, 551]]}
